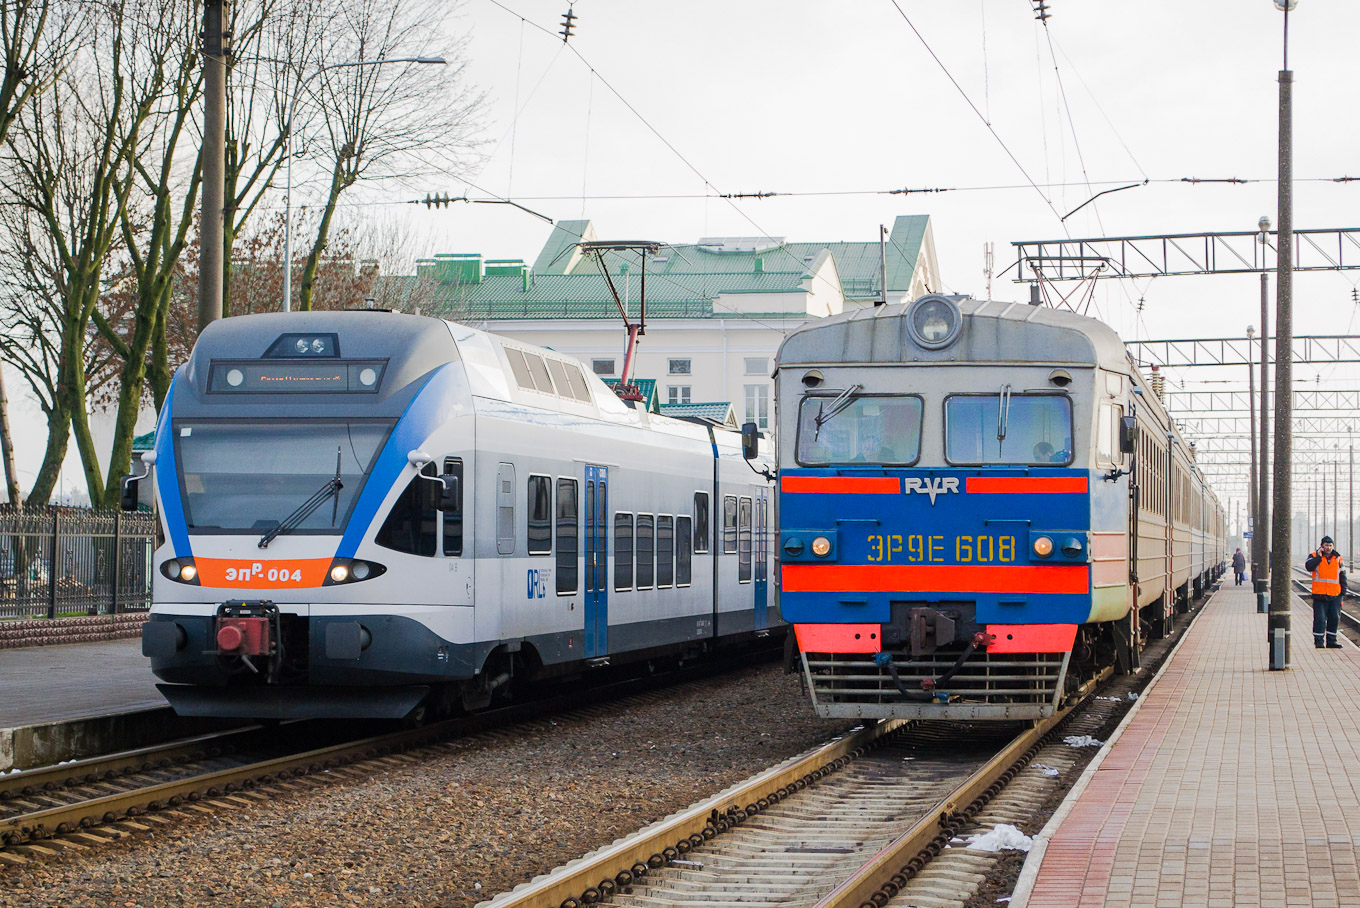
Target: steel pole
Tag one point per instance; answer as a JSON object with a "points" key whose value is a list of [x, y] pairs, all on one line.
{"points": [[1253, 508], [1263, 494], [1277, 626]]}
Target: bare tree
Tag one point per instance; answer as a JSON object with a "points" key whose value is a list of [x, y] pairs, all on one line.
{"points": [[375, 122], [68, 173]]}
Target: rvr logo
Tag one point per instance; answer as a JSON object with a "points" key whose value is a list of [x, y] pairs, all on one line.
{"points": [[931, 486]]}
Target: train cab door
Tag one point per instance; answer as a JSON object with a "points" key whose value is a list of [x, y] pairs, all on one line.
{"points": [[597, 562], [762, 566]]}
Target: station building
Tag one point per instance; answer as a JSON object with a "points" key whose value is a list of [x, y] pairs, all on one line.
{"points": [[717, 309]]}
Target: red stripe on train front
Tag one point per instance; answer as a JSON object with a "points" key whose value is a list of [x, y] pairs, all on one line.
{"points": [[1032, 638], [1021, 485], [838, 638], [963, 578], [842, 485]]}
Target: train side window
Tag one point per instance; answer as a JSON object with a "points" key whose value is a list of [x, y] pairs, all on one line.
{"points": [[453, 520], [646, 566], [665, 551], [729, 525], [542, 380], [682, 551], [1107, 434], [567, 530], [577, 381], [623, 552], [538, 512], [744, 543], [519, 368], [700, 523], [410, 527], [505, 509]]}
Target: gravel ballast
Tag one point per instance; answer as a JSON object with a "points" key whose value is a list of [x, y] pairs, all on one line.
{"points": [[454, 828]]}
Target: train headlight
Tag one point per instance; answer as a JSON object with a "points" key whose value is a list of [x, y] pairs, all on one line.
{"points": [[352, 570], [794, 546], [1071, 547], [821, 546], [1043, 546], [181, 570]]}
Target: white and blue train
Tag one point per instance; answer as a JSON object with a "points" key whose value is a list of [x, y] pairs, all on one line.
{"points": [[369, 514]]}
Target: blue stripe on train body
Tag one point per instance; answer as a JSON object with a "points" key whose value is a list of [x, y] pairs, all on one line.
{"points": [[914, 528]]}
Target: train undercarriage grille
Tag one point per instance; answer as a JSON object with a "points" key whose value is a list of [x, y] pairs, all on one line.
{"points": [[987, 686]]}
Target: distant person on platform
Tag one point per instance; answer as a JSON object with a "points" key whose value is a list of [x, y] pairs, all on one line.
{"points": [[1239, 566], [1329, 579]]}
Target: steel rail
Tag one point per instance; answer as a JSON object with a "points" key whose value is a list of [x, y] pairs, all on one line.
{"points": [[111, 808], [939, 823], [610, 869]]}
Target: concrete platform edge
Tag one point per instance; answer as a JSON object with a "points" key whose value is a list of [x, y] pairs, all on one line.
{"points": [[48, 743], [1029, 872]]}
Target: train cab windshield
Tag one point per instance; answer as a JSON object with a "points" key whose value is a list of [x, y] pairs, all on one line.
{"points": [[238, 476], [1014, 429], [869, 428]]}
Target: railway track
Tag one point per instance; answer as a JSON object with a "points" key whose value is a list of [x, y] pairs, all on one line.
{"points": [[800, 833], [40, 809], [827, 828]]}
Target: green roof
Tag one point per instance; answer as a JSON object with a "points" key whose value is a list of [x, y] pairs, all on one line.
{"points": [[681, 280], [718, 413]]}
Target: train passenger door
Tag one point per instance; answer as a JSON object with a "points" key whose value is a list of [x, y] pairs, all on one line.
{"points": [[597, 554], [762, 559]]}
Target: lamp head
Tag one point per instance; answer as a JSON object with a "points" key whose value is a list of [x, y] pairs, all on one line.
{"points": [[1251, 331], [1285, 6], [1264, 224]]}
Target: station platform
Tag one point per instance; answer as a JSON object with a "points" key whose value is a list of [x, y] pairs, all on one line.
{"points": [[1226, 785], [42, 684]]}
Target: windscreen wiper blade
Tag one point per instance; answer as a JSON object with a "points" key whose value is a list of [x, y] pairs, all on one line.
{"points": [[839, 403], [304, 510]]}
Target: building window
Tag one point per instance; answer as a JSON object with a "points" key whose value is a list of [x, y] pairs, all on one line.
{"points": [[678, 367], [678, 394], [758, 405], [757, 365], [602, 366]]}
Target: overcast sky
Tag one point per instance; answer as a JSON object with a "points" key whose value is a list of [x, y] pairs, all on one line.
{"points": [[837, 103]]}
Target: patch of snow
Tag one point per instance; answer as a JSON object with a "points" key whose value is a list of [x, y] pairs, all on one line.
{"points": [[1082, 741], [1003, 837]]}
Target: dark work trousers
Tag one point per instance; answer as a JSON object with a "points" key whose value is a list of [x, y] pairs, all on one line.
{"points": [[1326, 615]]}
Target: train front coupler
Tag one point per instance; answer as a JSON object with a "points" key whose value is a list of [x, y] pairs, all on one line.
{"points": [[250, 632]]}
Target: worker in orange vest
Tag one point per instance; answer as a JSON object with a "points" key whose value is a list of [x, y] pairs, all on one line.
{"points": [[1329, 579]]}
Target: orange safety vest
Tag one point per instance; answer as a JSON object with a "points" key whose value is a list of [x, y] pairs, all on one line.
{"points": [[1327, 575]]}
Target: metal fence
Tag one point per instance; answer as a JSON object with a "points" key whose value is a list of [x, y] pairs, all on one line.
{"points": [[67, 561]]}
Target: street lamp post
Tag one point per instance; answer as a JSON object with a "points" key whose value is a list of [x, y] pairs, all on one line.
{"points": [[288, 153], [1280, 587]]}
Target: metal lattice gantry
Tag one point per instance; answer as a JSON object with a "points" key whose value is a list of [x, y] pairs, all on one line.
{"points": [[1240, 351], [1165, 255], [1223, 403], [1195, 427]]}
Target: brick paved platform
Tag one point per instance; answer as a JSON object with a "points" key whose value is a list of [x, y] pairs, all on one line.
{"points": [[52, 683], [1230, 785]]}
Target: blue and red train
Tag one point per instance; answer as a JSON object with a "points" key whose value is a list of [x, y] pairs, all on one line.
{"points": [[980, 504]]}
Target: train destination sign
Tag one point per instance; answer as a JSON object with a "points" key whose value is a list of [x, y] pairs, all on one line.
{"points": [[332, 376]]}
